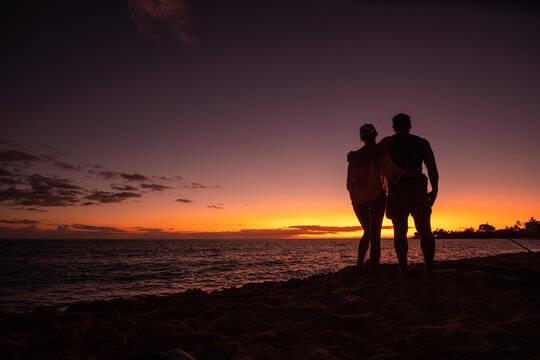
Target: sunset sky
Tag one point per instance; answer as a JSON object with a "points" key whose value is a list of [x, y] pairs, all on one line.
{"points": [[232, 119]]}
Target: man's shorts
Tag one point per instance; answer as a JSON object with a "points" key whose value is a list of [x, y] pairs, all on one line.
{"points": [[402, 202]]}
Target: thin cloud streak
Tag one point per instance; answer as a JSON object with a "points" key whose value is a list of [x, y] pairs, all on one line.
{"points": [[155, 187], [64, 166], [77, 231], [29, 209], [123, 187], [134, 177], [107, 175], [196, 185], [21, 221], [106, 229], [218, 206], [185, 201]]}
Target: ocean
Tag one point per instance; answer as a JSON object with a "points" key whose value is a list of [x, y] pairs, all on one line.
{"points": [[37, 273]]}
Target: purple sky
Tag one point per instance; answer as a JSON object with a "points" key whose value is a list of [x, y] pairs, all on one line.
{"points": [[264, 99]]}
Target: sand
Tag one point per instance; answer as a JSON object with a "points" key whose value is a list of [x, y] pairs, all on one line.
{"points": [[483, 308]]}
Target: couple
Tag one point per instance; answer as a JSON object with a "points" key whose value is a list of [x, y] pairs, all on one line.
{"points": [[388, 175]]}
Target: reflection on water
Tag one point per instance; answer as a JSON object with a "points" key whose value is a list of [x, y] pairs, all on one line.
{"points": [[60, 272]]}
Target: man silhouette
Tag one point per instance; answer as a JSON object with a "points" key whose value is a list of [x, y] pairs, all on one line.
{"points": [[408, 195]]}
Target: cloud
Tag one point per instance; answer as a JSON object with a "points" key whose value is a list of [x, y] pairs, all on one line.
{"points": [[149, 230], [173, 15], [195, 185], [14, 156], [45, 183], [22, 221], [22, 188], [155, 187], [75, 231], [317, 229], [4, 172], [64, 166], [216, 206], [170, 179], [331, 229], [10, 181], [290, 231], [134, 177], [81, 231], [105, 197], [107, 175], [185, 201], [97, 228], [45, 191], [14, 196], [30, 209], [276, 233], [123, 187], [92, 166]]}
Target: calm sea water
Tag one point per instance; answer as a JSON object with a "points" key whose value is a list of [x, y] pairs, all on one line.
{"points": [[61, 272]]}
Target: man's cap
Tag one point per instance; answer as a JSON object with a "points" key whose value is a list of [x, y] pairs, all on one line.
{"points": [[367, 129], [401, 121]]}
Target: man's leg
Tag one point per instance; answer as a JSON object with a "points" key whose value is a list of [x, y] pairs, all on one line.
{"points": [[422, 223], [400, 240], [362, 213], [376, 216]]}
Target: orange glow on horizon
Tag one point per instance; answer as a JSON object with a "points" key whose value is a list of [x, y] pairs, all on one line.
{"points": [[234, 220], [278, 216]]}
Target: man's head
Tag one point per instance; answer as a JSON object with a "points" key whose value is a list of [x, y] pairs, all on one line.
{"points": [[401, 123], [368, 133]]}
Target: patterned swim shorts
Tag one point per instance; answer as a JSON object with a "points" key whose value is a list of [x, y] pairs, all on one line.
{"points": [[402, 202]]}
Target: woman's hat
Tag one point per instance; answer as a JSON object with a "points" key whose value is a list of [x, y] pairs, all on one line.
{"points": [[367, 129]]}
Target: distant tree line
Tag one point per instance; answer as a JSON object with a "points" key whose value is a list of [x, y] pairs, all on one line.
{"points": [[529, 228]]}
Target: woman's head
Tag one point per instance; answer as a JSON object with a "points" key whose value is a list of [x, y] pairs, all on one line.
{"points": [[368, 133]]}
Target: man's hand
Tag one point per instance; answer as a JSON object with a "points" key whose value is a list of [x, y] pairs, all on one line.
{"points": [[431, 197]]}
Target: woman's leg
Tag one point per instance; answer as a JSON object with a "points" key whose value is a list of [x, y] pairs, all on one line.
{"points": [[362, 213], [376, 216]]}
